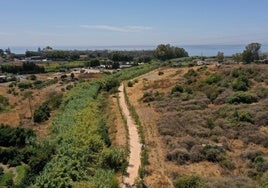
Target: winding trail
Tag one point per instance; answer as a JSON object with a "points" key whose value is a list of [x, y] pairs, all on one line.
{"points": [[134, 142]]}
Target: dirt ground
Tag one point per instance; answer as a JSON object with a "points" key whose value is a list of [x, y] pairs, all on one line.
{"points": [[21, 109]]}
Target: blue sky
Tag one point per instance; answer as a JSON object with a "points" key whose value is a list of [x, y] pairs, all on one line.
{"points": [[132, 22]]}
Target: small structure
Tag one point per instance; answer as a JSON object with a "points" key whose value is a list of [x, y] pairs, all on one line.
{"points": [[199, 63], [83, 57]]}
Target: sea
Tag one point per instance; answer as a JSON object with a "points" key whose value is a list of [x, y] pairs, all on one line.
{"points": [[193, 50]]}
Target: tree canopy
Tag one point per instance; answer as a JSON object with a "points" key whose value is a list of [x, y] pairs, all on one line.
{"points": [[251, 52], [166, 51]]}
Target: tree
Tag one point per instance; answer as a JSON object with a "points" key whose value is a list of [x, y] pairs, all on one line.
{"points": [[247, 56], [94, 62], [220, 57], [144, 59], [1, 52], [8, 51], [237, 57], [120, 56], [251, 53], [254, 48], [115, 65], [165, 52]]}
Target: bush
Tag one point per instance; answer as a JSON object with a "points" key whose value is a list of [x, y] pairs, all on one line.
{"points": [[196, 153], [1, 171], [188, 182], [251, 154], [241, 97], [42, 113], [178, 155], [25, 85], [191, 73], [213, 79], [54, 100], [17, 137], [160, 73], [69, 87], [130, 84], [243, 116], [240, 84], [113, 158], [32, 77], [213, 153], [177, 88], [227, 164], [148, 97], [238, 72]]}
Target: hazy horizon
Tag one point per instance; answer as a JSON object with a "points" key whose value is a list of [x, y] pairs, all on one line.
{"points": [[207, 50]]}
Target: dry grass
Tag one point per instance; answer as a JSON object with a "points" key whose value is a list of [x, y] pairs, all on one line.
{"points": [[188, 122]]}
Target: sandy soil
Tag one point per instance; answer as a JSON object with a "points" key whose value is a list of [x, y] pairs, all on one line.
{"points": [[134, 143]]}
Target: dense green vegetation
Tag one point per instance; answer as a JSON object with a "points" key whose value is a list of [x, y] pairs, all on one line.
{"points": [[26, 68], [165, 52], [78, 152], [83, 154], [19, 145]]}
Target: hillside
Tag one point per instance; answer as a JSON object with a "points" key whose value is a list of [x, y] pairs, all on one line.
{"points": [[205, 126]]}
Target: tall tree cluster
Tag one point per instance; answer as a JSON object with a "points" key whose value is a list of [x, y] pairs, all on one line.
{"points": [[251, 52], [166, 51]]}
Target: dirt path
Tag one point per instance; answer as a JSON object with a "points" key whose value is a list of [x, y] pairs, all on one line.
{"points": [[134, 143]]}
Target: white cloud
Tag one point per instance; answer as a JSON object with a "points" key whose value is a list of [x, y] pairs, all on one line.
{"points": [[118, 29]]}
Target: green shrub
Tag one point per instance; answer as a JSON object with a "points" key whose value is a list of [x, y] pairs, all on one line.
{"points": [[243, 116], [241, 97], [177, 88], [3, 101], [213, 153], [6, 180], [32, 77], [42, 113], [160, 73], [240, 84], [69, 87], [113, 158], [251, 154], [148, 97], [55, 100], [188, 182], [1, 171], [191, 73], [17, 137], [25, 85], [238, 72], [178, 155], [130, 84], [227, 164], [213, 79]]}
